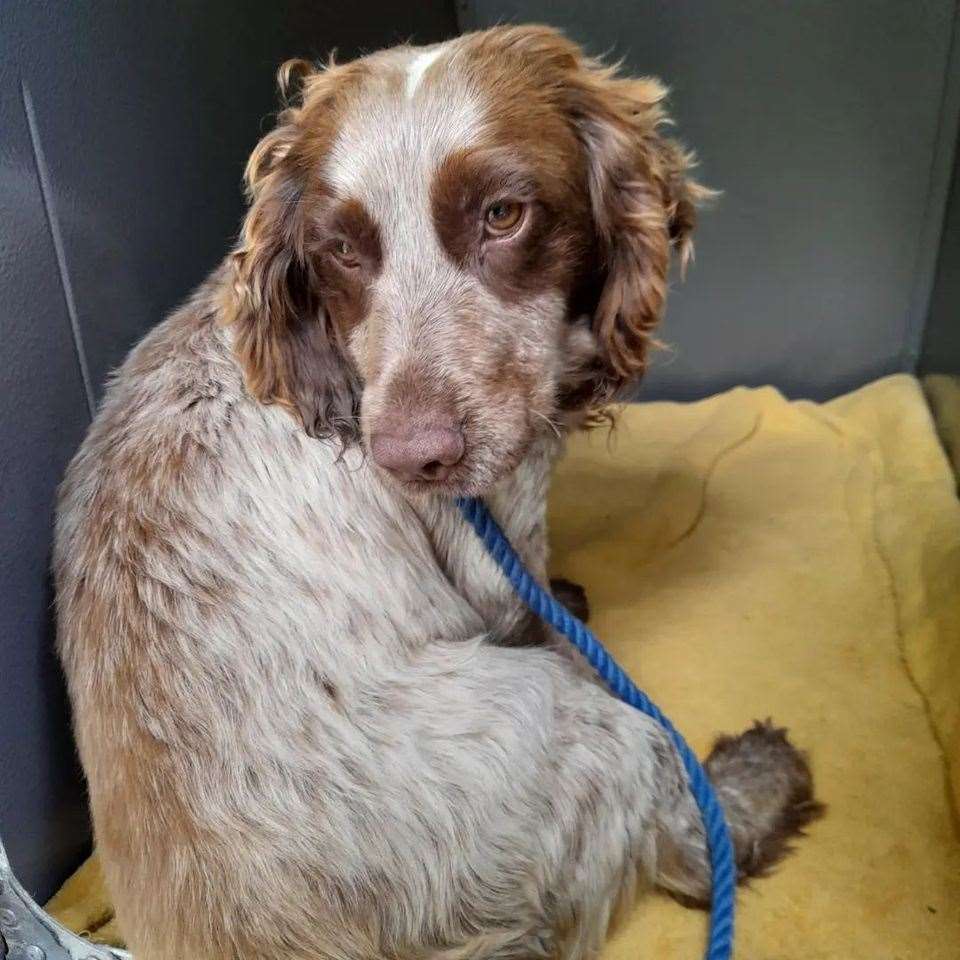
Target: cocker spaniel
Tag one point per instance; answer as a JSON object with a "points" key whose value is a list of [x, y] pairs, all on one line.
{"points": [[315, 721]]}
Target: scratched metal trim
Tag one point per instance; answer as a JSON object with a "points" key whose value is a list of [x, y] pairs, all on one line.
{"points": [[27, 932]]}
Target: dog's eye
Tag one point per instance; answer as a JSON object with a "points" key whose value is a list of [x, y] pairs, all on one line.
{"points": [[503, 217], [344, 252]]}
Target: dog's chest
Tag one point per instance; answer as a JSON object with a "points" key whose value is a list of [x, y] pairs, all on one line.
{"points": [[519, 505], [339, 548]]}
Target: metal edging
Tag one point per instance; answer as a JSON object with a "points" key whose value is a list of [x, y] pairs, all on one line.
{"points": [[28, 932]]}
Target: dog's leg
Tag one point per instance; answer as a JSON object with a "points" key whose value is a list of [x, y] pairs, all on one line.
{"points": [[766, 789], [509, 806], [473, 802], [522, 806]]}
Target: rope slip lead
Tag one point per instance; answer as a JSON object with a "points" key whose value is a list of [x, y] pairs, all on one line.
{"points": [[542, 603]]}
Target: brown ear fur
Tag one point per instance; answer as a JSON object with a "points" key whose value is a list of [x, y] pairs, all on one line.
{"points": [[643, 204], [290, 351]]}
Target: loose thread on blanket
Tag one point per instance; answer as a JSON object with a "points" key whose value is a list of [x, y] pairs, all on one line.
{"points": [[542, 603]]}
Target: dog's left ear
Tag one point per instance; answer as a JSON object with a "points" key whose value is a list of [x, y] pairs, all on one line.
{"points": [[643, 205], [289, 349]]}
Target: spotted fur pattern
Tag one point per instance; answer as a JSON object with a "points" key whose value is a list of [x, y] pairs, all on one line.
{"points": [[314, 721]]}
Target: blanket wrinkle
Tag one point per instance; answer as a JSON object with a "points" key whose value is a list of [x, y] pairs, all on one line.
{"points": [[899, 634], [711, 469]]}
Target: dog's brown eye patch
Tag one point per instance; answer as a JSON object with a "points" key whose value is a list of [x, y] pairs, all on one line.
{"points": [[354, 237], [346, 253], [489, 194]]}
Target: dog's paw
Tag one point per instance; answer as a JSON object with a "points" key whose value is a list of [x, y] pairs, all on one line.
{"points": [[572, 596]]}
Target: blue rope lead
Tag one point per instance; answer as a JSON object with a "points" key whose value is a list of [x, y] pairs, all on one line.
{"points": [[547, 608]]}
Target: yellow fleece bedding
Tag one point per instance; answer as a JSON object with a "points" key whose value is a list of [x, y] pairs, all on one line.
{"points": [[747, 556]]}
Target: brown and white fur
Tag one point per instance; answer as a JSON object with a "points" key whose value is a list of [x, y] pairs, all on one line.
{"points": [[314, 721]]}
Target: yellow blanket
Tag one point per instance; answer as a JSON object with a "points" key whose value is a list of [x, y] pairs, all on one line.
{"points": [[744, 557]]}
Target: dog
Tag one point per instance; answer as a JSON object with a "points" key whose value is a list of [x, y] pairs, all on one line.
{"points": [[314, 720]]}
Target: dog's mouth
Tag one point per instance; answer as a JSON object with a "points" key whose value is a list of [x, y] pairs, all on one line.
{"points": [[460, 447]]}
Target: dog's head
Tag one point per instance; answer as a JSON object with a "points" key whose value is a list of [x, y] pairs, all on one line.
{"points": [[453, 248]]}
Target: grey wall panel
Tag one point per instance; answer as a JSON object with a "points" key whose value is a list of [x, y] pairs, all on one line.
{"points": [[43, 415], [820, 120], [148, 111]]}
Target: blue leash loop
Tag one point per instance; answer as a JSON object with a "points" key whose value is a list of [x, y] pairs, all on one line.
{"points": [[723, 868]]}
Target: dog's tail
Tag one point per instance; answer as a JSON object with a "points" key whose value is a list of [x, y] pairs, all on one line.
{"points": [[766, 788]]}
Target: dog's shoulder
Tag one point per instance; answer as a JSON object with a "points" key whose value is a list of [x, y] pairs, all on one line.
{"points": [[177, 431], [184, 365]]}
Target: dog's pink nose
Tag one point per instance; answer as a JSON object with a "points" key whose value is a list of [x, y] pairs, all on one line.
{"points": [[424, 451]]}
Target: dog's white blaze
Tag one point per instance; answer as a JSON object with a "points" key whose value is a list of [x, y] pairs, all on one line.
{"points": [[418, 66], [388, 148]]}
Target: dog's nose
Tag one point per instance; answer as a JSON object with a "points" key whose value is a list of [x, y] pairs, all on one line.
{"points": [[424, 451]]}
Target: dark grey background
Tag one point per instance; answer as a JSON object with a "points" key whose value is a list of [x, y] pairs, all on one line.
{"points": [[143, 116], [124, 128]]}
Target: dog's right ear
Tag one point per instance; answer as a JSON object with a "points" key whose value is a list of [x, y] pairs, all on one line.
{"points": [[290, 351], [643, 200]]}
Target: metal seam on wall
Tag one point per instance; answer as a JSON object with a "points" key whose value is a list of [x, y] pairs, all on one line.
{"points": [[53, 225], [927, 261]]}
